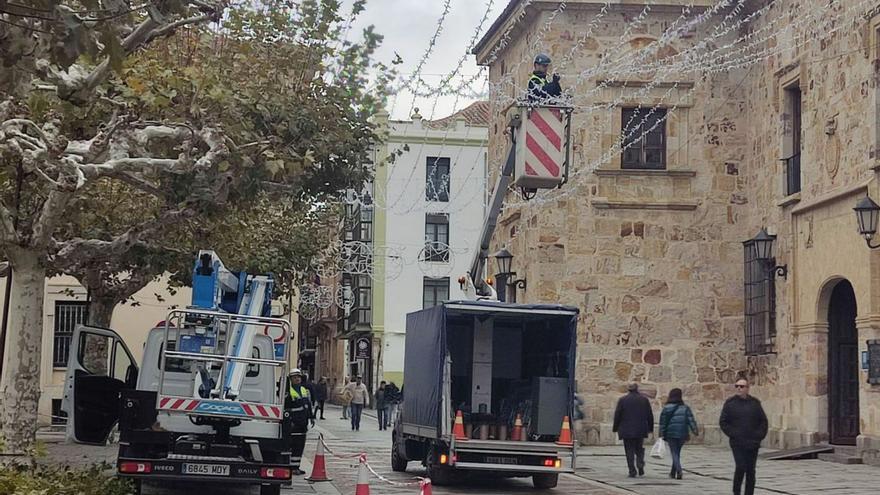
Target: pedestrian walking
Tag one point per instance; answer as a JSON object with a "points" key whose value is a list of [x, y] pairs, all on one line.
{"points": [[743, 420], [360, 397], [380, 406], [298, 403], [320, 396], [633, 421], [677, 422], [345, 398], [393, 397]]}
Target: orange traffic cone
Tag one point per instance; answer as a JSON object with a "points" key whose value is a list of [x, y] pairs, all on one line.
{"points": [[319, 469], [565, 434], [426, 487], [363, 484], [458, 428], [516, 434]]}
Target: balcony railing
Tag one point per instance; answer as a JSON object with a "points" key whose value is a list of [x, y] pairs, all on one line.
{"points": [[792, 174], [436, 252]]}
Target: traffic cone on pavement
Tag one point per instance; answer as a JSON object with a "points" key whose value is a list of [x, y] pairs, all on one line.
{"points": [[319, 469], [565, 434], [458, 428], [516, 434], [426, 487], [363, 484]]}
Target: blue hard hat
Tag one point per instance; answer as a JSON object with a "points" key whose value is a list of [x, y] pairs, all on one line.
{"points": [[542, 59]]}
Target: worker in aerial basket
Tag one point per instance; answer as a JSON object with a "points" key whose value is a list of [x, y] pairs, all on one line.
{"points": [[542, 87], [298, 403]]}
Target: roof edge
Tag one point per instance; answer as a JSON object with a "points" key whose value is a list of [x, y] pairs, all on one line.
{"points": [[493, 29]]}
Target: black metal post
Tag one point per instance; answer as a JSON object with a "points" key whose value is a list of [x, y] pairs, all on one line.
{"points": [[501, 285]]}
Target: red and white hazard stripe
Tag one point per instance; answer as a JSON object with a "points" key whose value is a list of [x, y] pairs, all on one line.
{"points": [[172, 404], [262, 411], [544, 152]]}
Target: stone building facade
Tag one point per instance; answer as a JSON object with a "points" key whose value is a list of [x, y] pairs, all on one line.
{"points": [[651, 247]]}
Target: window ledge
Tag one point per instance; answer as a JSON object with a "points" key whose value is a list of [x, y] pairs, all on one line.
{"points": [[605, 204], [644, 172], [790, 200]]}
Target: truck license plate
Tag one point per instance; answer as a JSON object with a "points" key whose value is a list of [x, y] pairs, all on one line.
{"points": [[206, 469], [501, 460]]}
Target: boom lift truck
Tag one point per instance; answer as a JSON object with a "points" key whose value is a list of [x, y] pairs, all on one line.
{"points": [[206, 404], [488, 383]]}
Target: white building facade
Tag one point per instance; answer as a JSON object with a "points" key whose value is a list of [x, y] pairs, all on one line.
{"points": [[435, 192]]}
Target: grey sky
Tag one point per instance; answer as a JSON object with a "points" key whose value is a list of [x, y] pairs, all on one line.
{"points": [[408, 26]]}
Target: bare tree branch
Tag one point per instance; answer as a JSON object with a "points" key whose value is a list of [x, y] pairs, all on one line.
{"points": [[53, 209], [8, 234]]}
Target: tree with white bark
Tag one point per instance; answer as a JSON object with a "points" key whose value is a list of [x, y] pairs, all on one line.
{"points": [[98, 102]]}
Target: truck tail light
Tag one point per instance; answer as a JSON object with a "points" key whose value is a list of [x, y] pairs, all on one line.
{"points": [[275, 473], [552, 462], [135, 467]]}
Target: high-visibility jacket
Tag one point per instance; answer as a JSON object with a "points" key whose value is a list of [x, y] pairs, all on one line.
{"points": [[541, 89], [299, 403]]}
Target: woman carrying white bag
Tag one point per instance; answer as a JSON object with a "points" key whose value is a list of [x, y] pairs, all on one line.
{"points": [[677, 422]]}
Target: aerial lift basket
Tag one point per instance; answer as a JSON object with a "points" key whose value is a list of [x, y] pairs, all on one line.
{"points": [[542, 146]]}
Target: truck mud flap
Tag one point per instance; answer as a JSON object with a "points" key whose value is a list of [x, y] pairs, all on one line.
{"points": [[203, 470]]}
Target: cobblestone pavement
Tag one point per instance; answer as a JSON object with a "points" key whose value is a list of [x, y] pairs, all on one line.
{"points": [[709, 470], [602, 470]]}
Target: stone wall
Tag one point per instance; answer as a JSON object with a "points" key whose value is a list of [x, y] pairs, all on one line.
{"points": [[654, 260]]}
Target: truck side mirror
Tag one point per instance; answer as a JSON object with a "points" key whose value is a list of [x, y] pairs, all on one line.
{"points": [[131, 376]]}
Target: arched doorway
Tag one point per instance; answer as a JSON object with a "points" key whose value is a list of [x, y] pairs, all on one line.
{"points": [[843, 366]]}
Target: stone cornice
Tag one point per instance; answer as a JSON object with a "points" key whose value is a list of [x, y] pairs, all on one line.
{"points": [[646, 173], [819, 327], [448, 141], [606, 204], [832, 197]]}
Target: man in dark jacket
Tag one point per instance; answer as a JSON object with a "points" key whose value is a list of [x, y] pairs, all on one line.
{"points": [[744, 422], [299, 403], [541, 89], [633, 421], [320, 396]]}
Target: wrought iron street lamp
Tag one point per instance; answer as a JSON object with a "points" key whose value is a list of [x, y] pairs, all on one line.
{"points": [[505, 260], [763, 251], [867, 214]]}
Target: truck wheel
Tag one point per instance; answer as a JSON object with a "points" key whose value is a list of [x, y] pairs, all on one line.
{"points": [[439, 475], [270, 489], [398, 463], [545, 480]]}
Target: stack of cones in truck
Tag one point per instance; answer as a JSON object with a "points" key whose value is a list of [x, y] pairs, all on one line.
{"points": [[319, 469], [565, 433], [363, 483], [516, 434], [458, 428]]}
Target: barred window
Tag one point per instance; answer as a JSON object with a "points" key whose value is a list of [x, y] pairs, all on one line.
{"points": [[68, 314], [760, 302], [436, 237]]}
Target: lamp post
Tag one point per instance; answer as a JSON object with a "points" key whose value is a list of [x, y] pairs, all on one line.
{"points": [[502, 278], [763, 250], [867, 214]]}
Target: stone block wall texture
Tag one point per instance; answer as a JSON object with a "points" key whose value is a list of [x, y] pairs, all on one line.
{"points": [[655, 260]]}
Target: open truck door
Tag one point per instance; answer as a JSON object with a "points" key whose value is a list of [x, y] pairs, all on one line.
{"points": [[99, 368]]}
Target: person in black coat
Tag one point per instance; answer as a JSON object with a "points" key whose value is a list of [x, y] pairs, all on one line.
{"points": [[633, 421], [320, 396], [744, 422]]}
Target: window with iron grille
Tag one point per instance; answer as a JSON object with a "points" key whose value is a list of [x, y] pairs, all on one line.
{"points": [[436, 237], [68, 314], [793, 140], [436, 291], [366, 224], [437, 183], [643, 136], [760, 302]]}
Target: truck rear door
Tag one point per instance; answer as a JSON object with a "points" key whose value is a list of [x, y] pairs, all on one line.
{"points": [[100, 366]]}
